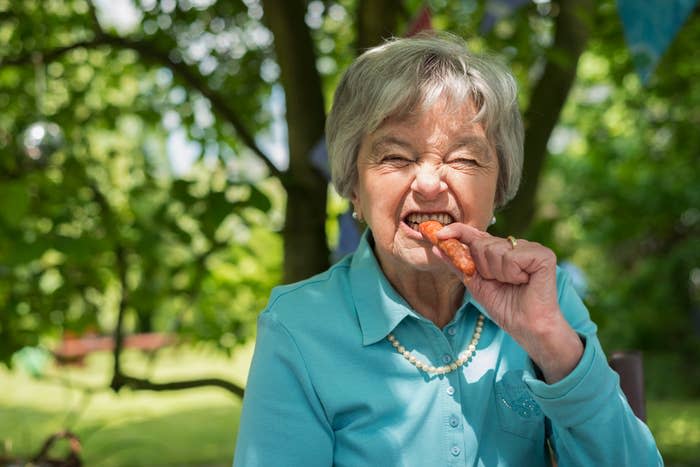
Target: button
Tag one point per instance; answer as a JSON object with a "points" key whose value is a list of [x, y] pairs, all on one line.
{"points": [[454, 421], [447, 358], [452, 331], [455, 451], [450, 391]]}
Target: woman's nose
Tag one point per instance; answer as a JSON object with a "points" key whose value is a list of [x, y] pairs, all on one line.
{"points": [[428, 181]]}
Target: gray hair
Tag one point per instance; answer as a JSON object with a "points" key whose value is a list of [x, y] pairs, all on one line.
{"points": [[395, 78]]}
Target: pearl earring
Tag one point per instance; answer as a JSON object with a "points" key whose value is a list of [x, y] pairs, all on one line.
{"points": [[493, 220]]}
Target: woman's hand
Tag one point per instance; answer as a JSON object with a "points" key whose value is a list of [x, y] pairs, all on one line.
{"points": [[516, 283]]}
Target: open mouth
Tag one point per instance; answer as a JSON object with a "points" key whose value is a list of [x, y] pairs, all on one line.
{"points": [[412, 220]]}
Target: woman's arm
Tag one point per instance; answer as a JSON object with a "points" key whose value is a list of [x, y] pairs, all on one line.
{"points": [[592, 423], [518, 284], [282, 422]]}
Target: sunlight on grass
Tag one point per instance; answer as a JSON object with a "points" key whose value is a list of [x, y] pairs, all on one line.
{"points": [[676, 427], [194, 427], [132, 428]]}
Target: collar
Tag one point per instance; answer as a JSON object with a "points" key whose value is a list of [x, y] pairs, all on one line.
{"points": [[380, 308]]}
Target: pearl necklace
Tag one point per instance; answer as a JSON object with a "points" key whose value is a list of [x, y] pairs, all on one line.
{"points": [[463, 359]]}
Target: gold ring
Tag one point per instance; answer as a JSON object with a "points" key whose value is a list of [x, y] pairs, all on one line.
{"points": [[512, 241]]}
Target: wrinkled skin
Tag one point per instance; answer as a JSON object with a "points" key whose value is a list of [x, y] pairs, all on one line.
{"points": [[437, 163]]}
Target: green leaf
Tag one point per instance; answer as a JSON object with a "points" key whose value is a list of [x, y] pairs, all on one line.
{"points": [[217, 208], [259, 200], [15, 200]]}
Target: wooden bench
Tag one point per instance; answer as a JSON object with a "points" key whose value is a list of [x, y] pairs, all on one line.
{"points": [[74, 349]]}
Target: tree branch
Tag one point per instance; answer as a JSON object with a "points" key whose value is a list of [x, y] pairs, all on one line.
{"points": [[123, 302], [48, 55], [150, 53], [548, 98], [146, 384], [377, 20], [120, 257], [95, 22], [195, 80]]}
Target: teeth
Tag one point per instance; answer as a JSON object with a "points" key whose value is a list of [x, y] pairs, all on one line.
{"points": [[414, 219]]}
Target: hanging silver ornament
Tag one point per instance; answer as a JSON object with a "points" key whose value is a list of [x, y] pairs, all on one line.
{"points": [[41, 139]]}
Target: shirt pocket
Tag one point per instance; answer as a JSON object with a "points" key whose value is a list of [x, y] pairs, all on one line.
{"points": [[518, 412]]}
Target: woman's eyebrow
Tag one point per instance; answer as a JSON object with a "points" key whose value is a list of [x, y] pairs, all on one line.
{"points": [[477, 145], [389, 140]]}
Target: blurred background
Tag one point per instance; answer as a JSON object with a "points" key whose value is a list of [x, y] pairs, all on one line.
{"points": [[162, 167]]}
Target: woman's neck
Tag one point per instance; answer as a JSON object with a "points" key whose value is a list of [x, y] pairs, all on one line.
{"points": [[436, 296]]}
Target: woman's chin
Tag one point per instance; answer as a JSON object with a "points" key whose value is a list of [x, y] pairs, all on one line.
{"points": [[423, 260]]}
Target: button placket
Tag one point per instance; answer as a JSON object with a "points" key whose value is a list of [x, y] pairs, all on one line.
{"points": [[453, 421]]}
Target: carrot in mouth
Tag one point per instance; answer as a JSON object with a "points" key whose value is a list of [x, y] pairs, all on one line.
{"points": [[456, 251]]}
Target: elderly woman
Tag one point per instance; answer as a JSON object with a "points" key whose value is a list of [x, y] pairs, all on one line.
{"points": [[393, 357]]}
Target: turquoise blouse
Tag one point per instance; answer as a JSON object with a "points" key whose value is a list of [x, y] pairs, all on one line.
{"points": [[326, 387]]}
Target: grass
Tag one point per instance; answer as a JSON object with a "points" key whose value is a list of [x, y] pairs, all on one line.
{"points": [[195, 427], [676, 428]]}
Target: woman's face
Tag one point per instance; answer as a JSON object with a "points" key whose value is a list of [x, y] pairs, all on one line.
{"points": [[435, 164]]}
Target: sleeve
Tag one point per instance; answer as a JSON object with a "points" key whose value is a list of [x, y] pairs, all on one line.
{"points": [[282, 420], [592, 423]]}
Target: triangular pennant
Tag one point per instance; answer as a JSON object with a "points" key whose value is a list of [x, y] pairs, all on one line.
{"points": [[422, 22], [650, 26]]}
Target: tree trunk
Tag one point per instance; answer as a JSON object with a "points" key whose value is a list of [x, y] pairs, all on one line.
{"points": [[548, 98], [376, 20], [305, 246]]}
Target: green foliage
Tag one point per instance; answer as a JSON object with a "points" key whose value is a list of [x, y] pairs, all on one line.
{"points": [[621, 200], [106, 223]]}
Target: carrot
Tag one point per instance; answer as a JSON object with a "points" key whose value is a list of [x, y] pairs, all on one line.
{"points": [[456, 251]]}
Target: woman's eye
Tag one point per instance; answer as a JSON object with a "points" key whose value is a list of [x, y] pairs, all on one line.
{"points": [[395, 159], [464, 162]]}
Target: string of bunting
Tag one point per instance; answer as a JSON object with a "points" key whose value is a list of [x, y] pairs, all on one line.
{"points": [[649, 27]]}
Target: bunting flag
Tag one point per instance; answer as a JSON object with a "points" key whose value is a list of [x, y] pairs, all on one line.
{"points": [[497, 10], [422, 22], [650, 26]]}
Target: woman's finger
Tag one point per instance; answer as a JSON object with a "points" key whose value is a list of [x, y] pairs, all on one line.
{"points": [[503, 262], [462, 232], [511, 267], [485, 252]]}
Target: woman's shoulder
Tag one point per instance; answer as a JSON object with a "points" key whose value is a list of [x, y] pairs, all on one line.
{"points": [[313, 298]]}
